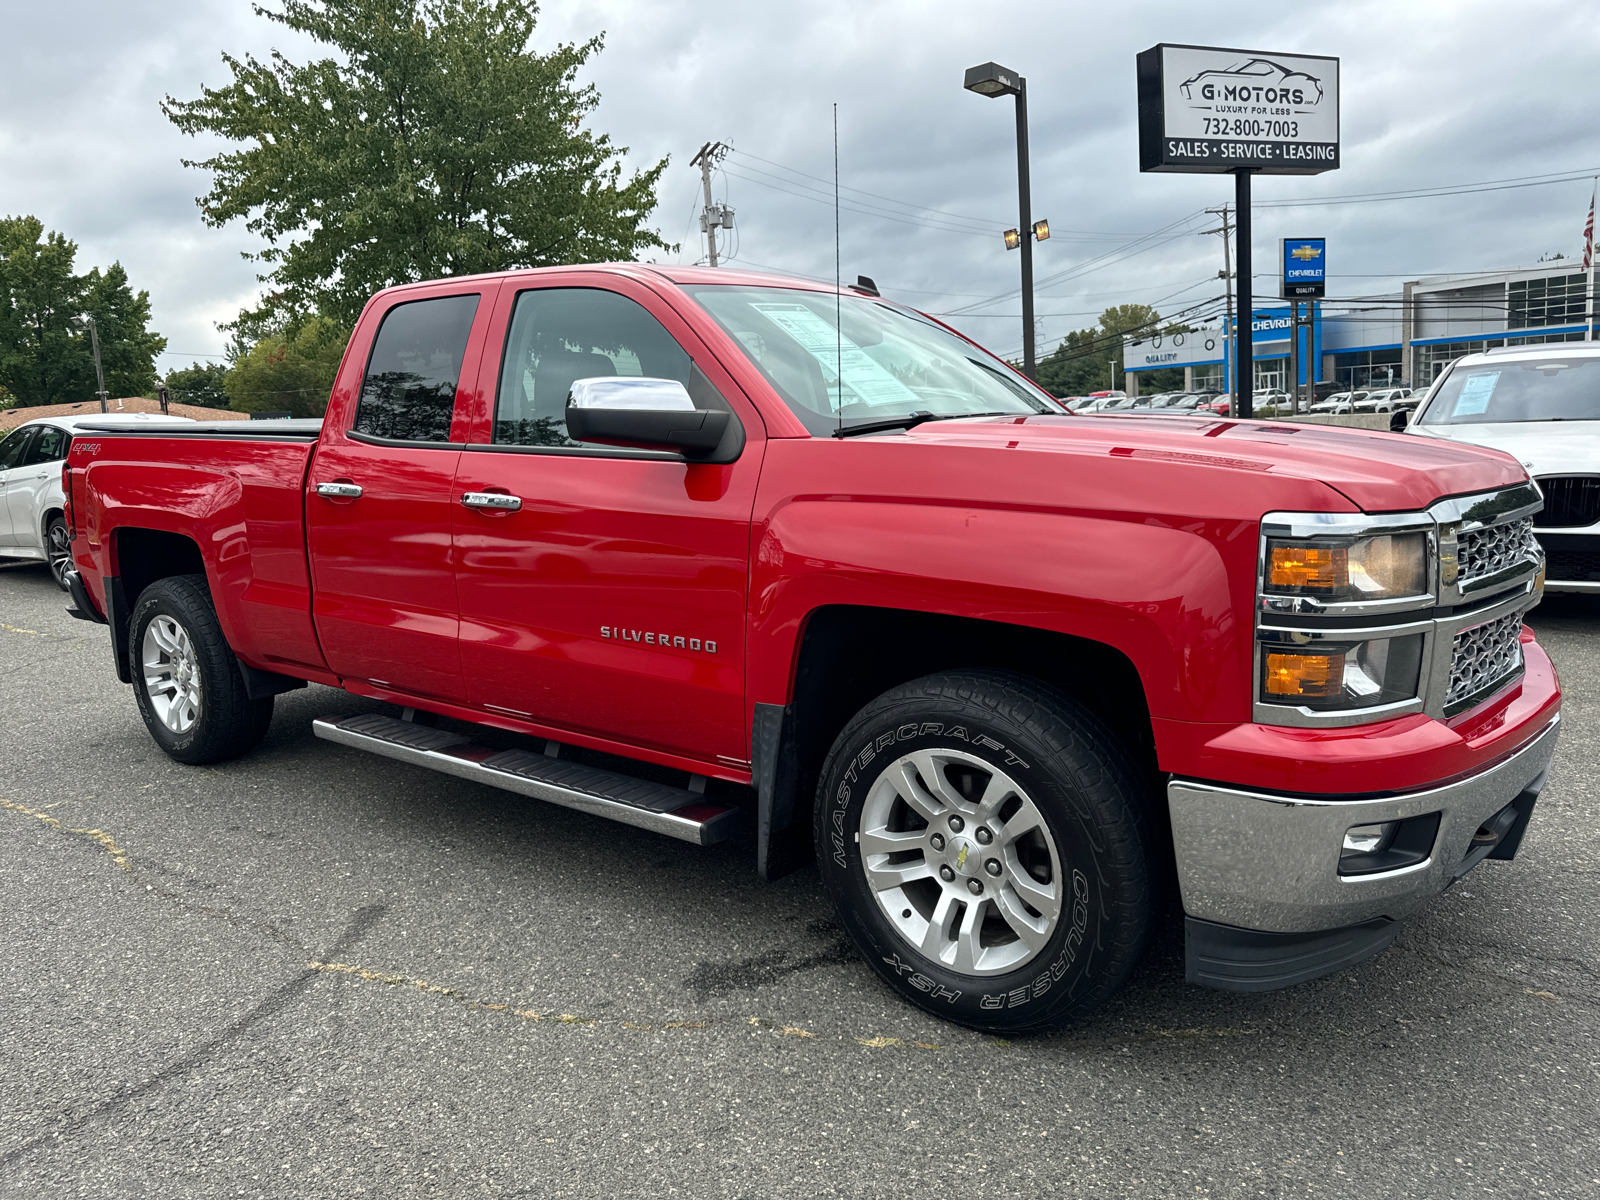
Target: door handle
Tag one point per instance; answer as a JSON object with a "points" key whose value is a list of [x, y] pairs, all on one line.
{"points": [[494, 501], [347, 490]]}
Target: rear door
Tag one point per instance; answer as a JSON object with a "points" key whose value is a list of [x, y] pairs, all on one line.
{"points": [[612, 602], [38, 475], [12, 451], [379, 507]]}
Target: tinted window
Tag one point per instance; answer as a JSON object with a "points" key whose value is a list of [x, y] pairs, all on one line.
{"points": [[562, 334], [410, 387], [50, 446], [11, 448]]}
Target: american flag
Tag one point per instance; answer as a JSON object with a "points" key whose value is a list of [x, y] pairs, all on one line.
{"points": [[1588, 235]]}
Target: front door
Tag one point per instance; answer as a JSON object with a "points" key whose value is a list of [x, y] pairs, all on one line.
{"points": [[12, 451], [379, 506], [612, 601]]}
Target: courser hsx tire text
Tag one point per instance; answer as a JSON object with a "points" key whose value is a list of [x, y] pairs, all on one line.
{"points": [[185, 676], [986, 842]]}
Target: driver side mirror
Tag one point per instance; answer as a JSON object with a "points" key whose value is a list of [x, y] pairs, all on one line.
{"points": [[643, 413], [1399, 419]]}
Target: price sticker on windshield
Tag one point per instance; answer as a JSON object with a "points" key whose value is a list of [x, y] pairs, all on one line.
{"points": [[1475, 394], [838, 355]]}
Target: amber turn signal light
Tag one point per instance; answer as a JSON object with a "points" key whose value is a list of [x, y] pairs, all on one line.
{"points": [[1322, 568], [1319, 676]]}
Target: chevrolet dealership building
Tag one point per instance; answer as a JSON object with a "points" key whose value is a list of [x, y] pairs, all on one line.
{"points": [[1402, 338]]}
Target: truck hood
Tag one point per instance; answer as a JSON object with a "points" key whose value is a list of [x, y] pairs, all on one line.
{"points": [[1542, 447], [1375, 471]]}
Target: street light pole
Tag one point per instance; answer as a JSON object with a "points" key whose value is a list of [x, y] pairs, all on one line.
{"points": [[992, 80], [1025, 223]]}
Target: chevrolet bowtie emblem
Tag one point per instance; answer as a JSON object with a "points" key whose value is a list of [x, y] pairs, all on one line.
{"points": [[1306, 253], [961, 857]]}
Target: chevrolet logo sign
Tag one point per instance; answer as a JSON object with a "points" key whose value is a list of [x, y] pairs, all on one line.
{"points": [[1305, 253], [961, 857]]}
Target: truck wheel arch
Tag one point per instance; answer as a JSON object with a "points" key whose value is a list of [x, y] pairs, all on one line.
{"points": [[848, 655], [138, 558]]}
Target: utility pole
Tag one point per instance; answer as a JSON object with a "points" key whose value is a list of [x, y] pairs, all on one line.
{"points": [[88, 322], [712, 215], [1228, 341]]}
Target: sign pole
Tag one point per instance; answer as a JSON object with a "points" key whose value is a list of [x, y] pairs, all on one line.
{"points": [[1244, 371], [1294, 357]]}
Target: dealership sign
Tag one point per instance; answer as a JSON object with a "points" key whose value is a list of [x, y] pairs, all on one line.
{"points": [[1305, 268], [1206, 109]]}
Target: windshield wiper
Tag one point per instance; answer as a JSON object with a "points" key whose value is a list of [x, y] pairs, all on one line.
{"points": [[911, 419]]}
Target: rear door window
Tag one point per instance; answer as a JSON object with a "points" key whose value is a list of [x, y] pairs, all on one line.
{"points": [[50, 446], [409, 391]]}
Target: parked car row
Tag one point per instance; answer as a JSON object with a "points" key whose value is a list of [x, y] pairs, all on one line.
{"points": [[31, 522]]}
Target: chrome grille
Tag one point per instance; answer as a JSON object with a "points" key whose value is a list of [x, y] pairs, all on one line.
{"points": [[1483, 656], [1485, 552]]}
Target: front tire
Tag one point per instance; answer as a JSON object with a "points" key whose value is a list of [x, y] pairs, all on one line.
{"points": [[185, 677], [986, 843]]}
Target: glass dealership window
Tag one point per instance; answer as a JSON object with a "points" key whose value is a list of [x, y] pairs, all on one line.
{"points": [[409, 391], [1554, 300]]}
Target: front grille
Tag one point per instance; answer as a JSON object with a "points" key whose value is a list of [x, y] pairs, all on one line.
{"points": [[1573, 566], [1485, 552], [1570, 501], [1484, 656]]}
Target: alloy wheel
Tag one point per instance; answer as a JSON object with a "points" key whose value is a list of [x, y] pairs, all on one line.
{"points": [[961, 861], [171, 673]]}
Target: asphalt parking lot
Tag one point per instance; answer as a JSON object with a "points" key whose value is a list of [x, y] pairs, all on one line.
{"points": [[312, 972]]}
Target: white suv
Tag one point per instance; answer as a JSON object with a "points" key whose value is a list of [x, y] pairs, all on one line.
{"points": [[1542, 405], [31, 524]]}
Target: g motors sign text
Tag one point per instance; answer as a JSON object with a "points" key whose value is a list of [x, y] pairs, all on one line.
{"points": [[1207, 109]]}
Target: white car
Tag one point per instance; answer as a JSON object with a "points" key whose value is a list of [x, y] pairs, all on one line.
{"points": [[1339, 402], [31, 524], [1384, 400], [1540, 404]]}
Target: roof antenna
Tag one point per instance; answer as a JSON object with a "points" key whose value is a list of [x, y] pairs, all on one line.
{"points": [[838, 290]]}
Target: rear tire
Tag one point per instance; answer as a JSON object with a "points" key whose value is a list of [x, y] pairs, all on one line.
{"points": [[986, 842], [185, 677], [58, 549]]}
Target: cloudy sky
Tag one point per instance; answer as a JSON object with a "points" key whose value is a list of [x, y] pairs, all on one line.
{"points": [[1434, 94]]}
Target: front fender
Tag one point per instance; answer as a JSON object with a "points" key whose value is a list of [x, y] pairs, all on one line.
{"points": [[1158, 594]]}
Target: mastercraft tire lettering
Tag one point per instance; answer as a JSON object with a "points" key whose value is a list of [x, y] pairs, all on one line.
{"points": [[984, 839], [185, 676]]}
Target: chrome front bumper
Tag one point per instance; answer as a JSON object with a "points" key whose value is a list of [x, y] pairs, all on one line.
{"points": [[1267, 862]]}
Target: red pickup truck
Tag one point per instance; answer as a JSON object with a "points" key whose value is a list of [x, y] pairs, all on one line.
{"points": [[699, 551]]}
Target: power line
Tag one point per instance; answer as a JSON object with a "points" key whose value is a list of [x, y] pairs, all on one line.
{"points": [[1458, 189]]}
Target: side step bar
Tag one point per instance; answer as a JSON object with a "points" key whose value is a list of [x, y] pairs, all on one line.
{"points": [[676, 812]]}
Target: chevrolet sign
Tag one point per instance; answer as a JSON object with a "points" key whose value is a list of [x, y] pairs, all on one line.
{"points": [[1305, 268]]}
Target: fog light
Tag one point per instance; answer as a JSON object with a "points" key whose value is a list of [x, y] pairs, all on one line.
{"points": [[1368, 839]]}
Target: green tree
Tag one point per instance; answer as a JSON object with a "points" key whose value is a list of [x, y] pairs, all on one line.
{"points": [[1090, 360], [436, 144], [43, 360], [198, 383], [289, 371]]}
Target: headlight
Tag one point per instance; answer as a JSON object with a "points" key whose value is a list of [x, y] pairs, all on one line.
{"points": [[1370, 568], [1330, 677]]}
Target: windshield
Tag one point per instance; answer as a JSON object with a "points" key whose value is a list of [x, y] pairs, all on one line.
{"points": [[893, 364], [1533, 390]]}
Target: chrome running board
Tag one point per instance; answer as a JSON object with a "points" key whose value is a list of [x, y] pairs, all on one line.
{"points": [[676, 812]]}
